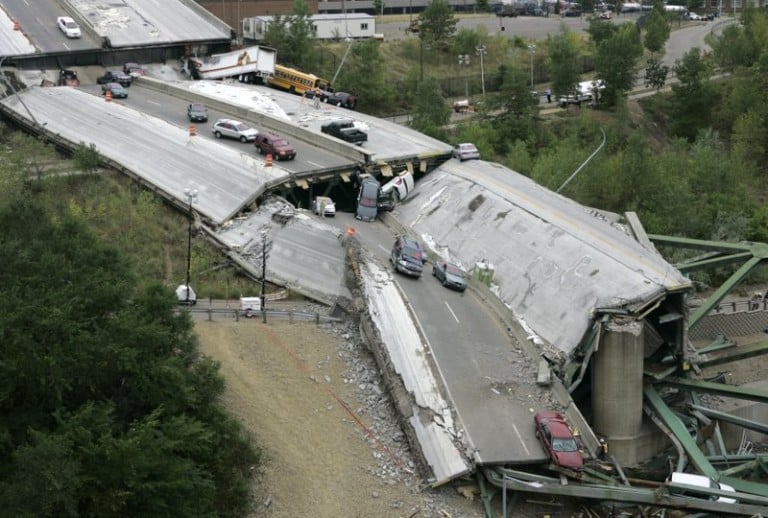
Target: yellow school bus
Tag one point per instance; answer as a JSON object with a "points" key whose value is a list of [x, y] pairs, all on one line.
{"points": [[296, 81]]}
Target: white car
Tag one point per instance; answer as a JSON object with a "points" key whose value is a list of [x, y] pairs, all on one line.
{"points": [[466, 151], [694, 17], [68, 26], [325, 206], [234, 129], [691, 479]]}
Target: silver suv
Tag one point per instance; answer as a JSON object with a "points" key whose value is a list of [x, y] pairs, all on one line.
{"points": [[231, 128]]}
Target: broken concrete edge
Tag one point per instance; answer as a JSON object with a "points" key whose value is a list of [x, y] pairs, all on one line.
{"points": [[405, 406]]}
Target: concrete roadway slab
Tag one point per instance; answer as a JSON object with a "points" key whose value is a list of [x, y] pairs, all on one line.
{"points": [[160, 153]]}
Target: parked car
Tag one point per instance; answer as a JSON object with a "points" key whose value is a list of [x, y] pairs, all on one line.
{"points": [[235, 129], [117, 90], [605, 15], [695, 17], [691, 479], [275, 145], [323, 205], [466, 151], [450, 275], [197, 112], [346, 131], [115, 76], [558, 440], [407, 256], [133, 69], [509, 11], [68, 26], [571, 13], [343, 99], [367, 199]]}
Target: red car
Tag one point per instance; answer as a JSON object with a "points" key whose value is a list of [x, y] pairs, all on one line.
{"points": [[558, 441]]}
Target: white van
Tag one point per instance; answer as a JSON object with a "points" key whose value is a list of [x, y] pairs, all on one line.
{"points": [[400, 186], [691, 479]]}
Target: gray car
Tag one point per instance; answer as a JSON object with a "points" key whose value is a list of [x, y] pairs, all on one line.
{"points": [[450, 275], [368, 199], [234, 129]]}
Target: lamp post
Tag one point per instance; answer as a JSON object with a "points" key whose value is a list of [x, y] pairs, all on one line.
{"points": [[264, 252], [464, 61], [532, 50], [191, 195], [481, 53]]}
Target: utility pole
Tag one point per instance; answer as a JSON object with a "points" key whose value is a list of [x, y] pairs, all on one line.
{"points": [[264, 252], [464, 61], [532, 50], [191, 195], [481, 52]]}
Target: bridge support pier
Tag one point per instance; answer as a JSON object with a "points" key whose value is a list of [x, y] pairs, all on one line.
{"points": [[617, 388]]}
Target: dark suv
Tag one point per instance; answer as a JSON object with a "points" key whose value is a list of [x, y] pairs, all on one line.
{"points": [[275, 145], [115, 76], [407, 256]]}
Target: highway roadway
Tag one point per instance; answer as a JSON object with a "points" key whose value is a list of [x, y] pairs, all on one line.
{"points": [[38, 22]]}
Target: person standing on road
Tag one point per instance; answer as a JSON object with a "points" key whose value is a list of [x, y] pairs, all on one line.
{"points": [[548, 93]]}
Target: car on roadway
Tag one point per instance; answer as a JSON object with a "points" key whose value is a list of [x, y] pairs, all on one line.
{"points": [[605, 15], [466, 151], [275, 145], [115, 76], [68, 26], [235, 129], [324, 206], [342, 99], [117, 90], [197, 112], [557, 440], [408, 256], [368, 199], [695, 17], [450, 275], [133, 69]]}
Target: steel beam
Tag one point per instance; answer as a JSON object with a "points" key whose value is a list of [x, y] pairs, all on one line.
{"points": [[739, 353], [676, 426], [730, 418], [721, 389]]}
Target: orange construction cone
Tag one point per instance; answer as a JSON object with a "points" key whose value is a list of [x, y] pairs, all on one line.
{"points": [[108, 95], [192, 130], [269, 160]]}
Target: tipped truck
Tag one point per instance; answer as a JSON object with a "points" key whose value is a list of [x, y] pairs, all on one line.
{"points": [[346, 131]]}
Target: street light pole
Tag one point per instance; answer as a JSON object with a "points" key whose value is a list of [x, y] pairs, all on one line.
{"points": [[191, 195], [532, 50], [464, 60], [481, 52]]}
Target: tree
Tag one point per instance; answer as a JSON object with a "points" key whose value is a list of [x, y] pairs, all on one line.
{"points": [[562, 63], [516, 108], [655, 73], [365, 74], [293, 35], [600, 30], [615, 62], [694, 97], [656, 30], [430, 112], [108, 407], [437, 24]]}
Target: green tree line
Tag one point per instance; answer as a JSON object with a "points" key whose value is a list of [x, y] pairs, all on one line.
{"points": [[107, 406]]}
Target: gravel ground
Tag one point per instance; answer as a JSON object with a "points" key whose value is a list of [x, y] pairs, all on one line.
{"points": [[313, 401]]}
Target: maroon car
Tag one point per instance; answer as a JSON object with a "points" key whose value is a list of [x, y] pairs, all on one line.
{"points": [[557, 439]]}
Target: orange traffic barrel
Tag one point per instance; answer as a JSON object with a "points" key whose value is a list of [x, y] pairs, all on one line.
{"points": [[269, 160], [108, 95], [16, 25], [192, 130]]}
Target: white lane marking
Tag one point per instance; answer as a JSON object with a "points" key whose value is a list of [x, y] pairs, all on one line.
{"points": [[386, 250], [452, 313], [319, 166], [517, 432], [154, 102]]}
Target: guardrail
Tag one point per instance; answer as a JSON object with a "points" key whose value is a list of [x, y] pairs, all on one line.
{"points": [[264, 316]]}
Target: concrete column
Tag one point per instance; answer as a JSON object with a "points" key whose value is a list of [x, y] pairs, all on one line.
{"points": [[617, 381]]}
